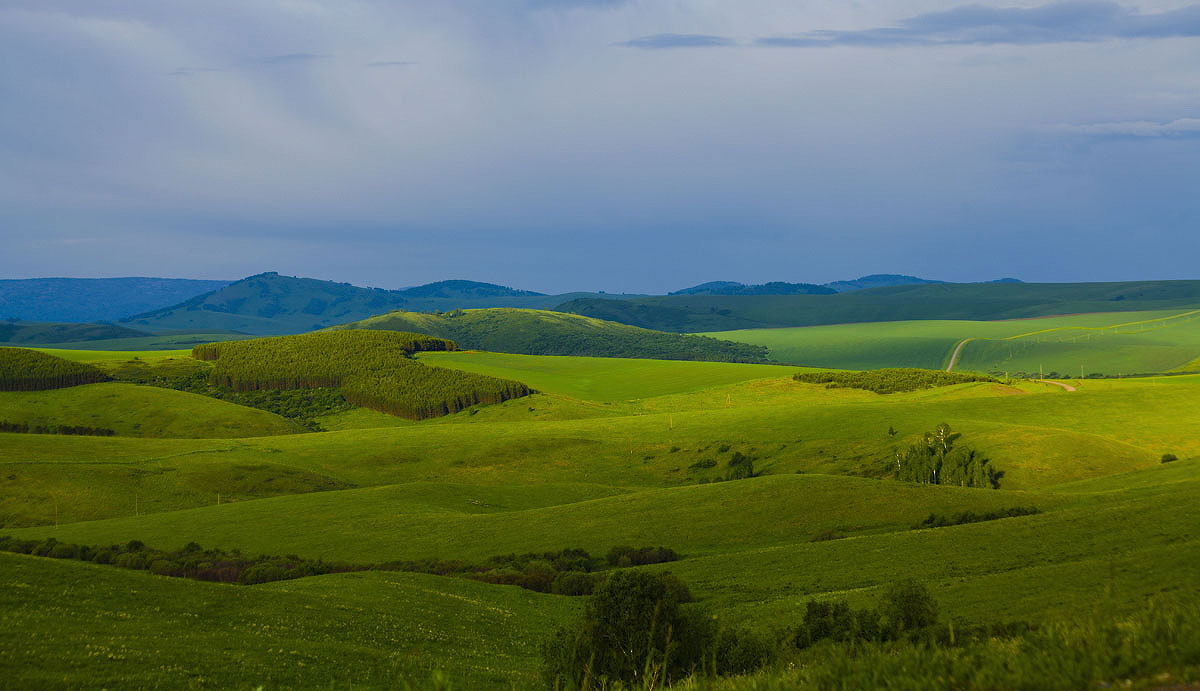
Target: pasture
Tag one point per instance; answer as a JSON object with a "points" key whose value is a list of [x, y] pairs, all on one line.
{"points": [[607, 452], [1104, 343]]}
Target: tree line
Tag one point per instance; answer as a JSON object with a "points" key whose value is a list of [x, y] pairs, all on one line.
{"points": [[22, 369]]}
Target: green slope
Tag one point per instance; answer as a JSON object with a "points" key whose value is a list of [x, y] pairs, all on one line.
{"points": [[141, 411], [21, 333], [539, 332], [1108, 343], [72, 624], [970, 301]]}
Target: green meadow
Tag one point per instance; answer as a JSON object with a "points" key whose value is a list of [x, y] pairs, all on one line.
{"points": [[1074, 345], [607, 452]]}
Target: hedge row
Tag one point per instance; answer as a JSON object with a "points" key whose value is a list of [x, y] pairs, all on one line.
{"points": [[889, 380]]}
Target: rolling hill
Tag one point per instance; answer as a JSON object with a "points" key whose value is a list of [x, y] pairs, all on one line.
{"points": [[45, 333], [94, 299], [1110, 343], [538, 332], [270, 304], [970, 301]]}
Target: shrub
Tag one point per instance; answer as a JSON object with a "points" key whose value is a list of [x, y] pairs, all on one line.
{"points": [[909, 606], [890, 380], [574, 583], [1168, 457], [631, 629]]}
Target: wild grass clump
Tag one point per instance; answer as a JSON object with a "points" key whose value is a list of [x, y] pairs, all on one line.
{"points": [[372, 368], [890, 380], [22, 369]]}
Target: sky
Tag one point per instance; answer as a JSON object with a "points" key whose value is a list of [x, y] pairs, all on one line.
{"points": [[619, 145]]}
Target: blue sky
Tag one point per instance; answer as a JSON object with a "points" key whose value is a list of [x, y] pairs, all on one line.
{"points": [[636, 146]]}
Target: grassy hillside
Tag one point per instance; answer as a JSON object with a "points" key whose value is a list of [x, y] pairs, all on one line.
{"points": [[538, 332], [160, 342], [71, 623], [611, 451], [141, 411], [603, 379], [970, 301], [19, 332], [94, 299], [1108, 343]]}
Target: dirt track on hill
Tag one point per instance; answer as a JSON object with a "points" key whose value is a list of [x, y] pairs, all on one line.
{"points": [[1068, 387], [957, 352]]}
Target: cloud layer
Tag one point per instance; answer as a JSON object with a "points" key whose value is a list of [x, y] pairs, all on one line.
{"points": [[534, 143]]}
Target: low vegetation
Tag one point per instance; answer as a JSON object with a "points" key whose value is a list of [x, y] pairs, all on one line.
{"points": [[22, 369], [563, 572], [371, 368], [937, 520], [24, 428], [890, 380]]}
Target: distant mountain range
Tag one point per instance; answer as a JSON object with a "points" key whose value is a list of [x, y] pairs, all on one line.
{"points": [[94, 299], [269, 304], [782, 288]]}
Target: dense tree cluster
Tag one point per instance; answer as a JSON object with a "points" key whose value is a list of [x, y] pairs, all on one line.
{"points": [[936, 460], [22, 369], [889, 380], [372, 369]]}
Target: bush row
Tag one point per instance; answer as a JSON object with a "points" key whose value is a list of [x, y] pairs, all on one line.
{"points": [[937, 520], [565, 572], [22, 428], [890, 380], [22, 369]]}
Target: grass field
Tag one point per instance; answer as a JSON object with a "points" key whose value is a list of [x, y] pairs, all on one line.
{"points": [[1105, 343], [141, 411], [609, 452]]}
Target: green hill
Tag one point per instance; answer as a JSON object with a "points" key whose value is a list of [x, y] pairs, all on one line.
{"points": [[611, 451], [537, 332], [968, 301], [269, 304], [140, 411], [20, 332], [1109, 343]]}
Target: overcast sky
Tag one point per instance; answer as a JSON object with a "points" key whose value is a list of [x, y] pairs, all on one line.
{"points": [[637, 146]]}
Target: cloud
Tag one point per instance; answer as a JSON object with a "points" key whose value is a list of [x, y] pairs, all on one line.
{"points": [[390, 63], [1183, 127], [1057, 22], [286, 59], [660, 41]]}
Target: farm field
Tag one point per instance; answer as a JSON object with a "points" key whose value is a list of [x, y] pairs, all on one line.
{"points": [[607, 452], [1106, 343]]}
